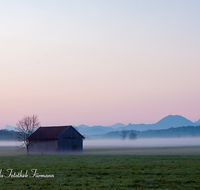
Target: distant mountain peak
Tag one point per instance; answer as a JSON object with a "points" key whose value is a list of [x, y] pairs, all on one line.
{"points": [[118, 125], [174, 121], [10, 128], [82, 126], [198, 122]]}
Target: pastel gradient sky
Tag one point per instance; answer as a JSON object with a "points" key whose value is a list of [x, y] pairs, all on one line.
{"points": [[99, 62]]}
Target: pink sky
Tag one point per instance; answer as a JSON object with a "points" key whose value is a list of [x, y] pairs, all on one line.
{"points": [[99, 63]]}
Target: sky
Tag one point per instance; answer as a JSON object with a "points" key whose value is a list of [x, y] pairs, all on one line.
{"points": [[99, 62]]}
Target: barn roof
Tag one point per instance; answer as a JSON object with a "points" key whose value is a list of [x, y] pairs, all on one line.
{"points": [[45, 133]]}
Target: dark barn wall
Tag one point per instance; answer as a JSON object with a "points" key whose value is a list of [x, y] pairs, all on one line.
{"points": [[70, 140], [42, 146]]}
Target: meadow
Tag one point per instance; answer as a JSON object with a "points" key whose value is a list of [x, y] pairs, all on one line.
{"points": [[116, 168]]}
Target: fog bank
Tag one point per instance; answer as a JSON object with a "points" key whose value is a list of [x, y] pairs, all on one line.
{"points": [[151, 142], [8, 143]]}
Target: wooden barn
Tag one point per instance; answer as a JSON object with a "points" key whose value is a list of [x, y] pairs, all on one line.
{"points": [[57, 139]]}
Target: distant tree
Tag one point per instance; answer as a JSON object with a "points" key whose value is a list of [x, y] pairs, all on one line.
{"points": [[123, 134], [25, 127], [132, 136], [193, 135], [179, 135]]}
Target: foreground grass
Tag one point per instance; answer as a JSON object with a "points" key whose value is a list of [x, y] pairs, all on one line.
{"points": [[112, 171]]}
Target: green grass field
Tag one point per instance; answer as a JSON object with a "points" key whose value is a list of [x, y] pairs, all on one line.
{"points": [[138, 168]]}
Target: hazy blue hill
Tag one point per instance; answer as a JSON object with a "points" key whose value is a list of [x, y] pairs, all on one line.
{"points": [[94, 130], [118, 125], [82, 126], [165, 123], [173, 121], [10, 128], [197, 122]]}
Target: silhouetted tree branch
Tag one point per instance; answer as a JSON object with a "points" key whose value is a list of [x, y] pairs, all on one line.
{"points": [[25, 127]]}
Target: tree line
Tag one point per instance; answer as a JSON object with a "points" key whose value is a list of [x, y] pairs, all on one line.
{"points": [[7, 135], [189, 131]]}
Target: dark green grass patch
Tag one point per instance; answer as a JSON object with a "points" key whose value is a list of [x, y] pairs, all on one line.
{"points": [[104, 172]]}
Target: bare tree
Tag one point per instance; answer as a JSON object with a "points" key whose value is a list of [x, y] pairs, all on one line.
{"points": [[132, 136], [25, 127], [123, 134]]}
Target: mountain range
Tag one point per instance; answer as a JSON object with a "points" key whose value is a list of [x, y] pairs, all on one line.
{"points": [[165, 123], [95, 130]]}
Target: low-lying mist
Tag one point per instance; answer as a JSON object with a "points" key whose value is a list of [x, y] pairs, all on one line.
{"points": [[118, 143], [150, 142], [8, 143]]}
